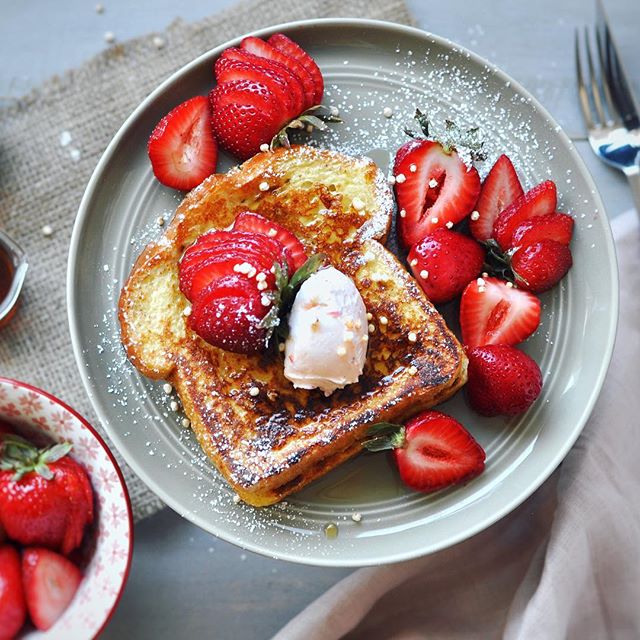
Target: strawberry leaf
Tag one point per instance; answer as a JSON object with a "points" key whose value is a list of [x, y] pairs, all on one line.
{"points": [[315, 117]]}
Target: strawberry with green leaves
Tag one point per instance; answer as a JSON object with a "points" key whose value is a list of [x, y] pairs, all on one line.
{"points": [[45, 495]]}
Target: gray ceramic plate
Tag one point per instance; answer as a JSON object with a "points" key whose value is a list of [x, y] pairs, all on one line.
{"points": [[367, 66]]}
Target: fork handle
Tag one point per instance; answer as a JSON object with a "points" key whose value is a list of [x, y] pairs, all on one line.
{"points": [[633, 176]]}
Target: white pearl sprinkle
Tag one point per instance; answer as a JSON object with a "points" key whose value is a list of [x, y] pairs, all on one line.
{"points": [[158, 42], [413, 168], [262, 285], [369, 315], [387, 112], [47, 230], [272, 233], [403, 213], [480, 282], [264, 147], [424, 274], [356, 517], [186, 422], [265, 300], [261, 276], [236, 498], [109, 37], [263, 186], [510, 285], [160, 221], [449, 225], [186, 312], [414, 262], [174, 405], [391, 179], [433, 183], [475, 215], [384, 320], [400, 178], [412, 336], [434, 220], [167, 388], [254, 391], [371, 328], [357, 204], [334, 111], [412, 370]]}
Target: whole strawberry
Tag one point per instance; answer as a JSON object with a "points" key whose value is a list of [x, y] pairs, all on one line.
{"points": [[45, 496], [502, 380], [444, 262]]}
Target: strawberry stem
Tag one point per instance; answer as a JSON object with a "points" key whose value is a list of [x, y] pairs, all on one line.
{"points": [[315, 118], [384, 436]]}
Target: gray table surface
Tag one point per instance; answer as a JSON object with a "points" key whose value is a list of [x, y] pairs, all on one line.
{"points": [[184, 582]]}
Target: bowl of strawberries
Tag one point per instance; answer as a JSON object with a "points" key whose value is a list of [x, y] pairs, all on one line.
{"points": [[66, 529]]}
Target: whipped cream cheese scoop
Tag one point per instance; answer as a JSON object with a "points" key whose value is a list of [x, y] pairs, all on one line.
{"points": [[328, 333]]}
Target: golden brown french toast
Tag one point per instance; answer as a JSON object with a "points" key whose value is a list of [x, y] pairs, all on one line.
{"points": [[271, 444]]}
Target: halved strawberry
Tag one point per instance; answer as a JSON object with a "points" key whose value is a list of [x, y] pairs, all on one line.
{"points": [[552, 226], [539, 201], [502, 380], [433, 187], [295, 51], [432, 451], [493, 312], [182, 148], [236, 70], [50, 583], [444, 262], [261, 48], [541, 265], [296, 88], [228, 315], [249, 221], [499, 189], [246, 114]]}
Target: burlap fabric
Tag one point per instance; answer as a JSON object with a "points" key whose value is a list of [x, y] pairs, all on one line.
{"points": [[43, 175]]}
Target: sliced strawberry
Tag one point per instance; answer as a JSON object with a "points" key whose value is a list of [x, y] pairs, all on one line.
{"points": [[296, 88], [295, 51], [499, 189], [245, 115], [444, 262], [249, 221], [552, 226], [432, 451], [433, 187], [539, 201], [492, 312], [502, 380], [182, 147], [236, 70], [50, 583], [541, 265], [13, 609], [228, 316], [261, 48]]}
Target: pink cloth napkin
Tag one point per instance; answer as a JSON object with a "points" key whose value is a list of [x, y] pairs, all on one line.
{"points": [[564, 565]]}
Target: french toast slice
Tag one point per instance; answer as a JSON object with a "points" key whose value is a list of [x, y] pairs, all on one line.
{"points": [[270, 445]]}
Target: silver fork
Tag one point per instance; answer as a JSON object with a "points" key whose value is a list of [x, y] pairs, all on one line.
{"points": [[608, 106]]}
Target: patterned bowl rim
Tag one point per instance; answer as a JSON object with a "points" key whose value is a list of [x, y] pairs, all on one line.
{"points": [[100, 440]]}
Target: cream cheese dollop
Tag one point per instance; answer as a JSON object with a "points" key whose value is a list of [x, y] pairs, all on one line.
{"points": [[328, 333]]}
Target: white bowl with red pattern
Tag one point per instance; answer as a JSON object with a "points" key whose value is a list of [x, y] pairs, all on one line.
{"points": [[108, 543]]}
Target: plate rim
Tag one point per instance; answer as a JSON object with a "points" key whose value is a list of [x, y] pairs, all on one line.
{"points": [[344, 561]]}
